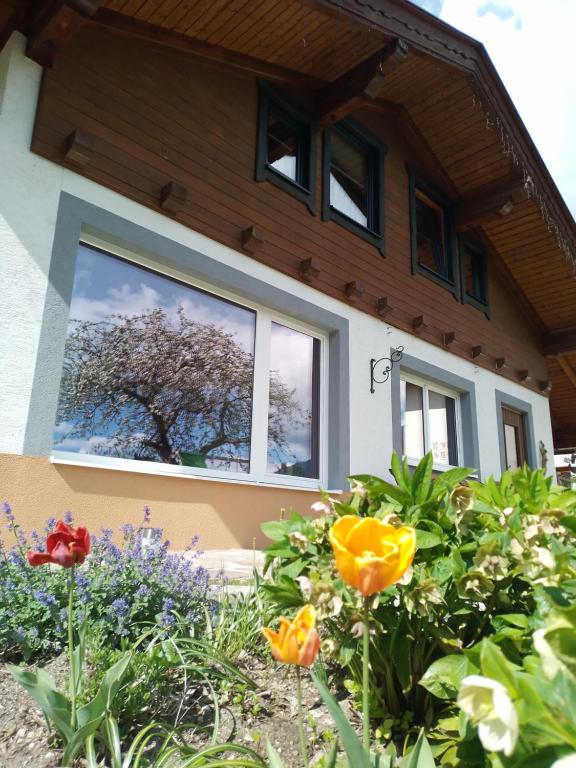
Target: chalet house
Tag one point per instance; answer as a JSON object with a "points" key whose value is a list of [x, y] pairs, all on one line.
{"points": [[249, 248]]}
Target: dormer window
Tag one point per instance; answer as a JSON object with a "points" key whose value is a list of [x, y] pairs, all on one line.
{"points": [[286, 149], [431, 232], [353, 181]]}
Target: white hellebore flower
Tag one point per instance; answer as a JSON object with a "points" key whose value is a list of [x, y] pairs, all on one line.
{"points": [[568, 761], [486, 702]]}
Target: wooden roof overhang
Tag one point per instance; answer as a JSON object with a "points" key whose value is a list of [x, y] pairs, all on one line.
{"points": [[390, 56]]}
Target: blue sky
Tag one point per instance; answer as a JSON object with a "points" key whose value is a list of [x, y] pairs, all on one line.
{"points": [[531, 44]]}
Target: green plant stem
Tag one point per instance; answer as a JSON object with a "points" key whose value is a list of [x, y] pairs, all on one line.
{"points": [[366, 677], [303, 746], [71, 649]]}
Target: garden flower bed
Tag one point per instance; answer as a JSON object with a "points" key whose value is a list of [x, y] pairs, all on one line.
{"points": [[428, 622]]}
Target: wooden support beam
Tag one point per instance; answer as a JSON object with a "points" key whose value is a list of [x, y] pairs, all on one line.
{"points": [[419, 323], [124, 25], [173, 197], [79, 147], [364, 81], [499, 363], [383, 306], [354, 291], [568, 370], [53, 25], [310, 268], [562, 342], [489, 202], [252, 240], [524, 375], [477, 351], [544, 386], [448, 338]]}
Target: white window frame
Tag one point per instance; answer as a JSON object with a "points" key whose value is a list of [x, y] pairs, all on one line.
{"points": [[265, 316], [426, 386]]}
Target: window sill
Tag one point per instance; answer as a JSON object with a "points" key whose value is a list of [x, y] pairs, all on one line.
{"points": [[429, 274], [439, 469], [185, 473], [333, 214]]}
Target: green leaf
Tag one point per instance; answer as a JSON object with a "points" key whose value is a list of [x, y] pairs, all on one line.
{"points": [[275, 530], [397, 472], [422, 479], [496, 666], [352, 744], [427, 540], [101, 703], [569, 522], [273, 756], [40, 685], [443, 677], [421, 756], [293, 569], [451, 478]]}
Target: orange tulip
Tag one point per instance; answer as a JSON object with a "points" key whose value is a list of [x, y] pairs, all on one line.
{"points": [[297, 641], [371, 555]]}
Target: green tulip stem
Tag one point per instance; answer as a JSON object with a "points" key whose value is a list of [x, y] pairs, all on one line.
{"points": [[366, 677], [71, 649], [303, 746]]}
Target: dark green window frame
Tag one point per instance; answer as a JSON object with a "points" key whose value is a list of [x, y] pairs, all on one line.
{"points": [[376, 151], [418, 184], [303, 188], [471, 246]]}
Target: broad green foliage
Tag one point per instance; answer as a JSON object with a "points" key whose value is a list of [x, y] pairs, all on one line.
{"points": [[487, 554]]}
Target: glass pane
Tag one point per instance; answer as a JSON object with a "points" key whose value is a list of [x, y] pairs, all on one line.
{"points": [[510, 438], [430, 236], [349, 180], [283, 143], [293, 409], [474, 274], [412, 419], [155, 370], [442, 425]]}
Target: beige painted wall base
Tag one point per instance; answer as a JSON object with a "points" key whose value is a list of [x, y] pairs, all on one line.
{"points": [[222, 514]]}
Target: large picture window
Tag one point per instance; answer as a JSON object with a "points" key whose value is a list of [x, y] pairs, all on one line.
{"points": [[429, 422], [157, 370]]}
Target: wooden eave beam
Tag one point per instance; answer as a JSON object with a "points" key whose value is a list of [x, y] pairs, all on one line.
{"points": [[568, 370], [561, 342], [364, 81], [488, 203], [12, 16], [53, 24], [124, 25]]}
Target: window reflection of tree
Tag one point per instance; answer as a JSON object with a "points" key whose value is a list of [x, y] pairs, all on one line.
{"points": [[174, 391]]}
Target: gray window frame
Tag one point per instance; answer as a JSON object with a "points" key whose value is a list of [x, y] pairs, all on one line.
{"points": [[466, 388], [75, 218]]}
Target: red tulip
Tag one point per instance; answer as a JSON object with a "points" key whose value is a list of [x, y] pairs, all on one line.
{"points": [[65, 546]]}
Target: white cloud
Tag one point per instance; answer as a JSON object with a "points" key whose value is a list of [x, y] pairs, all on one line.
{"points": [[532, 46], [125, 300]]}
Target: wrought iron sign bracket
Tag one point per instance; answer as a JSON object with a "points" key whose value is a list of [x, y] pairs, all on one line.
{"points": [[381, 369]]}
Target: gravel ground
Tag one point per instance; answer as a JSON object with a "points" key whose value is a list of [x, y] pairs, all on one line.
{"points": [[270, 713]]}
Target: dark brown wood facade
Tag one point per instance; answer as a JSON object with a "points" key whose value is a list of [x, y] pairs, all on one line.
{"points": [[164, 92]]}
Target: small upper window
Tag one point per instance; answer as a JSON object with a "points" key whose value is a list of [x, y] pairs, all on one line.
{"points": [[285, 152], [353, 173], [431, 233], [474, 278], [429, 419]]}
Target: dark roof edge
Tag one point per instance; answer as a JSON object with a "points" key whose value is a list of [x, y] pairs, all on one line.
{"points": [[434, 37]]}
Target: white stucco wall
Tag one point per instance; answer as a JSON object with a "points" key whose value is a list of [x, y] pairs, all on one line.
{"points": [[30, 189]]}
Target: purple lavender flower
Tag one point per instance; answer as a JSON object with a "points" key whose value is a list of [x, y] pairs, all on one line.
{"points": [[68, 517], [147, 514]]}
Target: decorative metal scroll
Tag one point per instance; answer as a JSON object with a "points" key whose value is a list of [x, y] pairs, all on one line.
{"points": [[381, 369]]}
